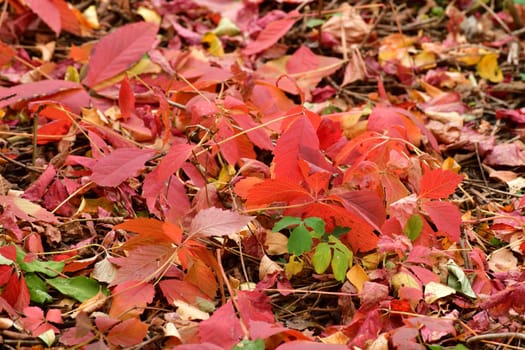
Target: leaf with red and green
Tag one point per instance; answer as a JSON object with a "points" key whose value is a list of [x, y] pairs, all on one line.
{"points": [[119, 50], [120, 165], [271, 34], [218, 222], [438, 183], [130, 298]]}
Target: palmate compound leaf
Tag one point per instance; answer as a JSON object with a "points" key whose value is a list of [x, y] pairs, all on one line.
{"points": [[218, 222]]}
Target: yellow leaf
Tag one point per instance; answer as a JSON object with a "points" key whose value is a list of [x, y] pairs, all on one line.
{"points": [[214, 44], [293, 267], [402, 279], [357, 276], [149, 15], [488, 68], [425, 60], [90, 14], [451, 164]]}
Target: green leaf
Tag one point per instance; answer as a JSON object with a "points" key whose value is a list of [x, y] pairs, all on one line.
{"points": [[413, 227], [314, 22], [257, 344], [339, 231], [300, 241], [458, 280], [286, 222], [321, 258], [48, 337], [316, 224], [37, 289], [519, 2], [80, 288], [460, 347], [49, 268], [339, 265]]}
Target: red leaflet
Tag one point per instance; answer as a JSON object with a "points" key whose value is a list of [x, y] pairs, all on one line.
{"points": [[47, 11], [128, 333], [155, 229], [445, 216], [130, 298], [6, 53], [271, 34], [126, 99], [438, 183], [217, 222], [223, 328], [119, 166], [24, 92], [117, 51], [263, 194]]}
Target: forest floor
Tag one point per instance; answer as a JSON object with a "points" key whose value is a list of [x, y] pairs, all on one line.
{"points": [[206, 174]]}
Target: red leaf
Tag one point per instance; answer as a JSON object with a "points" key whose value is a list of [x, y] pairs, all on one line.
{"points": [[438, 183], [155, 182], [6, 53], [217, 222], [181, 290], [271, 34], [307, 345], [126, 99], [255, 306], [23, 92], [143, 263], [46, 10], [119, 166], [445, 216], [223, 328], [152, 228], [271, 191], [257, 135], [130, 299], [117, 51], [38, 188], [128, 333], [300, 134]]}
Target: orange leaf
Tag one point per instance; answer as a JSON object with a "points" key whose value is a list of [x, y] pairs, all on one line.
{"points": [[438, 183], [153, 228], [128, 333]]}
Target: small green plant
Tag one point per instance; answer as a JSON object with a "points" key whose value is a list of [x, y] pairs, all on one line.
{"points": [[328, 251]]}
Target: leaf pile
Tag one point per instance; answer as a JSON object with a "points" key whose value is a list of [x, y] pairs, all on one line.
{"points": [[201, 174]]}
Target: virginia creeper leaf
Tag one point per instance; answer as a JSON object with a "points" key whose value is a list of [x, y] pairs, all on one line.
{"points": [[23, 92], [321, 258], [300, 241], [46, 10], [271, 191], [126, 99], [446, 216], [152, 228], [37, 289], [130, 298], [118, 50], [119, 166], [6, 53], [413, 227], [128, 333], [80, 288], [271, 34], [286, 222], [315, 223], [438, 183], [222, 328], [217, 222], [339, 265]]}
